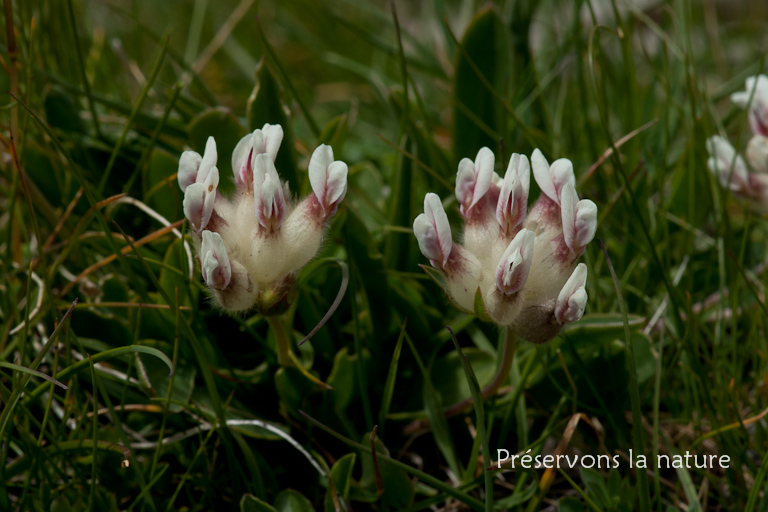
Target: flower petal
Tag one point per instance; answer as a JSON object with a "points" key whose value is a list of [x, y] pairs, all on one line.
{"points": [[208, 162], [572, 299], [273, 137], [552, 179], [514, 266], [199, 200], [217, 271], [433, 231]]}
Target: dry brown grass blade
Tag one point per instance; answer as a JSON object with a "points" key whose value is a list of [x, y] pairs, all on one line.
{"points": [[112, 257], [128, 305], [608, 152], [63, 219]]}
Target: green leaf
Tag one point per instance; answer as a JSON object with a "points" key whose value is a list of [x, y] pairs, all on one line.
{"points": [[166, 199], [480, 310], [595, 486], [342, 378], [486, 44], [293, 388], [266, 105], [341, 476], [398, 488], [222, 124], [335, 134], [250, 503], [570, 504], [183, 383], [292, 501], [448, 375]]}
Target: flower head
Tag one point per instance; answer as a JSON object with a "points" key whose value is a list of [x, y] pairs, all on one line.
{"points": [[515, 268], [252, 245]]}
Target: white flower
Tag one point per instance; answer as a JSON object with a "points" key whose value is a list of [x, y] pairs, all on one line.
{"points": [[474, 179], [573, 297], [199, 200], [513, 198], [552, 179], [194, 168], [757, 90], [269, 199], [217, 272], [328, 179], [433, 232], [515, 263], [579, 219], [264, 140]]}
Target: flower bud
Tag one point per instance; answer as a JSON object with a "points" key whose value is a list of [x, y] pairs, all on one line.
{"points": [[328, 179], [512, 271], [579, 220], [513, 198], [269, 200], [573, 297], [552, 179], [433, 232], [199, 200], [194, 168], [264, 140], [474, 179], [217, 272]]}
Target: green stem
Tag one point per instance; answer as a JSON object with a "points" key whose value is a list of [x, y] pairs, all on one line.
{"points": [[285, 356], [507, 356]]}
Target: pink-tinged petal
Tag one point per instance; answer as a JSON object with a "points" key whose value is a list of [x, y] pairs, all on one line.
{"points": [[572, 299], [241, 162], [269, 198], [757, 153], [726, 164], [579, 220], [433, 231], [217, 271], [210, 158], [189, 163], [328, 179], [473, 179], [515, 264], [513, 198]]}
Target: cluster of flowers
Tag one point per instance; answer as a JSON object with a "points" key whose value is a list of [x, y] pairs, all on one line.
{"points": [[729, 166], [251, 246], [515, 268]]}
